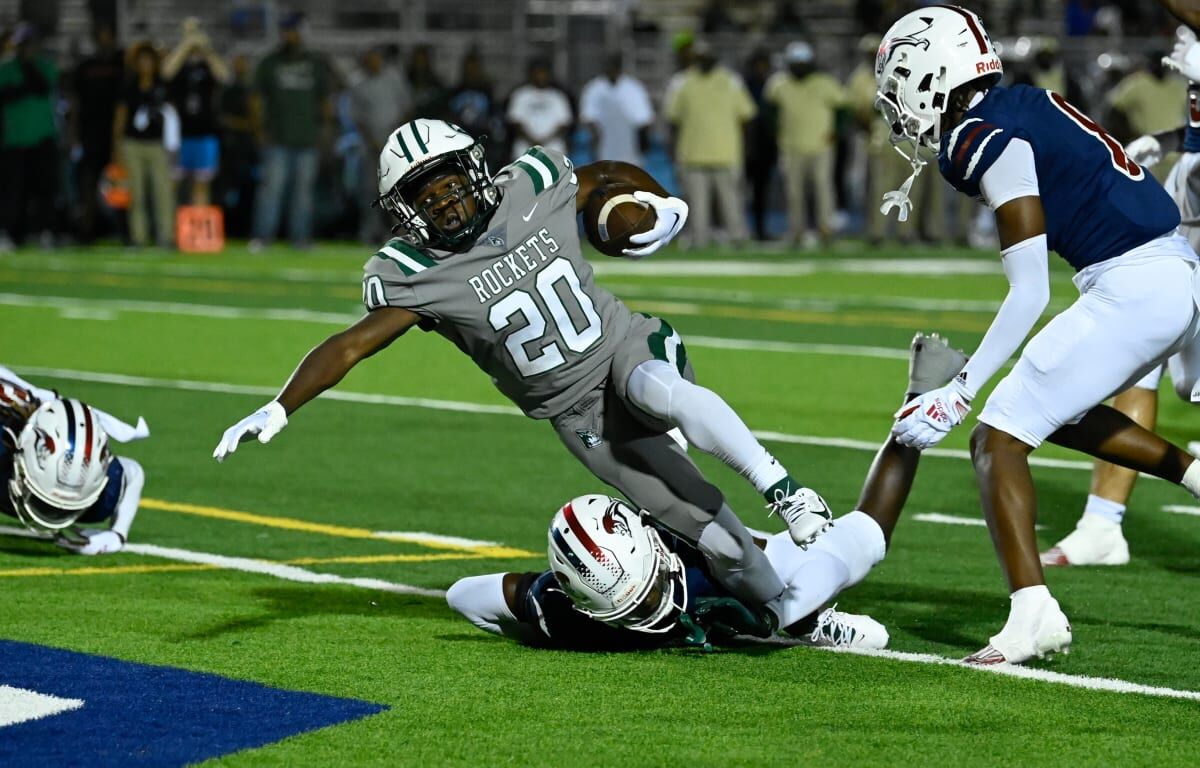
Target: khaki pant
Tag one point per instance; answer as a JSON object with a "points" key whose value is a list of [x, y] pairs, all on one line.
{"points": [[149, 178], [799, 173], [886, 171], [698, 183]]}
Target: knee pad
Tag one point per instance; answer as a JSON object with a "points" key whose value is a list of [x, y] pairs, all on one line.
{"points": [[651, 387]]}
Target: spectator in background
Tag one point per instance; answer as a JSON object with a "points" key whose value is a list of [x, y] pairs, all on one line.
{"points": [[292, 109], [709, 110], [1050, 74], [195, 72], [472, 105], [28, 148], [145, 127], [380, 102], [808, 101], [682, 45], [761, 154], [1149, 101], [96, 88], [428, 93], [616, 109], [539, 112], [239, 148]]}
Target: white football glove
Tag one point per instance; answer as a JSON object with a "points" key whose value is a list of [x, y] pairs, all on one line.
{"points": [[926, 419], [94, 542], [672, 215], [264, 423], [1145, 151], [1185, 57]]}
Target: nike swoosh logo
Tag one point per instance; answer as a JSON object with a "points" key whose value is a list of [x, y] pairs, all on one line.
{"points": [[529, 215]]}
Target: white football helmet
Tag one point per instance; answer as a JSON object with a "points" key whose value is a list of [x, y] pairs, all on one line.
{"points": [[615, 568], [923, 57], [60, 465], [414, 153], [921, 60]]}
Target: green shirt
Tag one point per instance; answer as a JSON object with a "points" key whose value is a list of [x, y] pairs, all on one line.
{"points": [[293, 87], [27, 113]]}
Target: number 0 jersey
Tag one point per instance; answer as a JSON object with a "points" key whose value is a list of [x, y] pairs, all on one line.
{"points": [[522, 302], [1098, 203]]}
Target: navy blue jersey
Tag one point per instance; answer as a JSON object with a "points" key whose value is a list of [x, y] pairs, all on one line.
{"points": [[549, 618], [1191, 134], [1098, 203]]}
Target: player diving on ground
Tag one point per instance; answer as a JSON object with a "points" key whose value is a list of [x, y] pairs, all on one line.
{"points": [[494, 265], [616, 584], [61, 480]]}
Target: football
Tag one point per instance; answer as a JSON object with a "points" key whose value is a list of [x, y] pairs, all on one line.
{"points": [[612, 214]]}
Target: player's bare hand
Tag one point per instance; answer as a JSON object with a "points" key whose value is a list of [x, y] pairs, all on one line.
{"points": [[264, 424], [672, 215]]}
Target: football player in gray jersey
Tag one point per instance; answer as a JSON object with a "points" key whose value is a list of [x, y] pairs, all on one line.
{"points": [[494, 265]]}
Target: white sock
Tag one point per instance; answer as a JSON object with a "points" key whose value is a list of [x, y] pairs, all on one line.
{"points": [[1104, 508], [1026, 601], [766, 472], [1191, 478]]}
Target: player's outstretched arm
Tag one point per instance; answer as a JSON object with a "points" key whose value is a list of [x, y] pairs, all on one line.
{"points": [[1187, 11], [323, 367]]}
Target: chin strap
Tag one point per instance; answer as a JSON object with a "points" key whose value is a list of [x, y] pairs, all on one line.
{"points": [[899, 198]]}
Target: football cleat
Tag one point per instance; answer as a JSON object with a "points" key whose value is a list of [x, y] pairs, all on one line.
{"points": [[1095, 541], [932, 363], [1048, 633], [805, 513], [847, 630]]}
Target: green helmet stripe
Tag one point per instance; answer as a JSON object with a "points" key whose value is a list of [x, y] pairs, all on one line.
{"points": [[400, 138], [417, 136]]}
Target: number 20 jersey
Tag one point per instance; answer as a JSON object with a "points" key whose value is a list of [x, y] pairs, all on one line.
{"points": [[522, 302], [1098, 203]]}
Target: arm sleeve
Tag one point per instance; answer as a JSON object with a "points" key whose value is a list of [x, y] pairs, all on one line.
{"points": [[480, 599], [1012, 175], [40, 393], [1025, 265]]}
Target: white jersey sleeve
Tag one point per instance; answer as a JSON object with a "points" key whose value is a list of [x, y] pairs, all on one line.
{"points": [[1012, 175]]}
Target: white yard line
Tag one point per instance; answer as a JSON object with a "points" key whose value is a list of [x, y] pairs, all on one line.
{"points": [[792, 267], [421, 537], [105, 309], [454, 405], [277, 570], [1109, 684], [1180, 509], [938, 517]]}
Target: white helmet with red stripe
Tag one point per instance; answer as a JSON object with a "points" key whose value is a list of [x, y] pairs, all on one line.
{"points": [[60, 465], [615, 568], [922, 58]]}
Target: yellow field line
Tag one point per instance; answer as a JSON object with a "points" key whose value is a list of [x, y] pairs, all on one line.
{"points": [[326, 529], [117, 570]]}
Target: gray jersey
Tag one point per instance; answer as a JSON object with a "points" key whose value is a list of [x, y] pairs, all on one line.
{"points": [[522, 302]]}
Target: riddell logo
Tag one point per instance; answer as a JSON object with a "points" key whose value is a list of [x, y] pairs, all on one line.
{"points": [[983, 67]]}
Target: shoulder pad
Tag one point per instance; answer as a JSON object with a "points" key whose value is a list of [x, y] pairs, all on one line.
{"points": [[544, 168], [400, 256]]}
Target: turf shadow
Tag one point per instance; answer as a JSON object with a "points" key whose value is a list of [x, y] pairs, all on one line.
{"points": [[286, 603]]}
